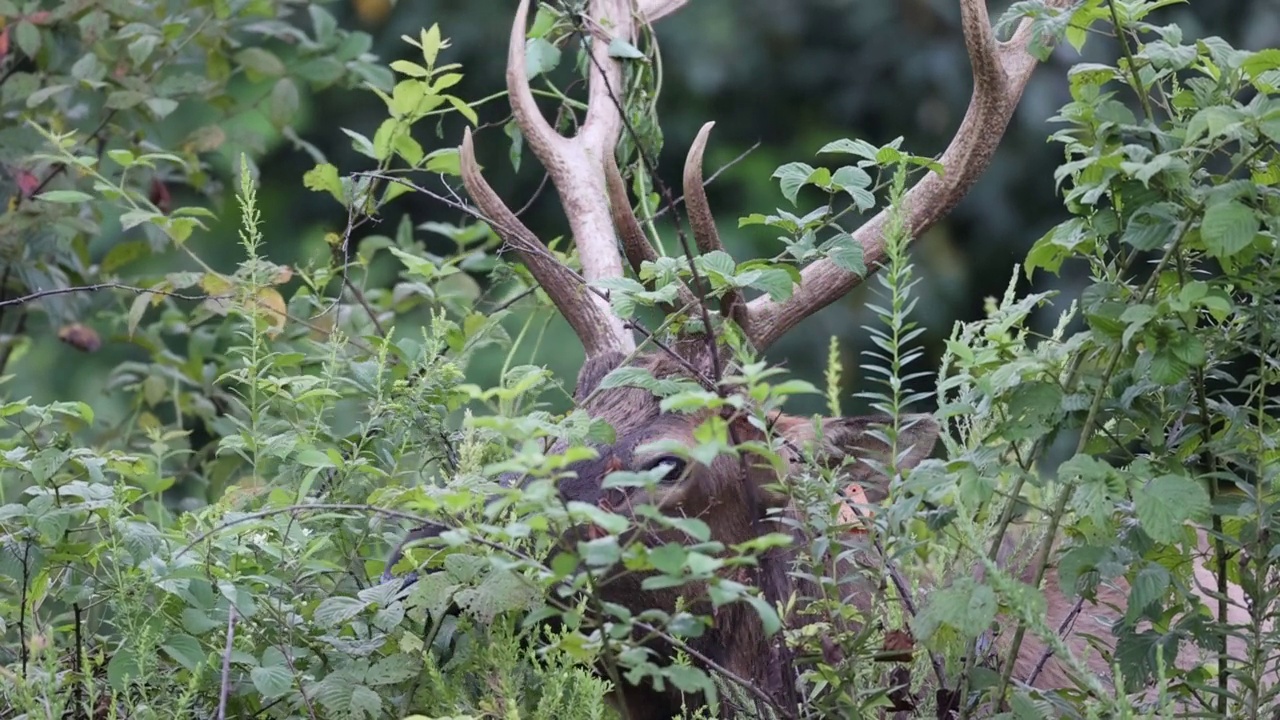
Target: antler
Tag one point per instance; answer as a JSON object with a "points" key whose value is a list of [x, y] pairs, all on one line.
{"points": [[577, 170], [1000, 73], [586, 177]]}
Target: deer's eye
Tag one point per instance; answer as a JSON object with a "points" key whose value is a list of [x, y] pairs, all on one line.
{"points": [[675, 467]]}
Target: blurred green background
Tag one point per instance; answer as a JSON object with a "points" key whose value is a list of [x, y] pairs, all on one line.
{"points": [[791, 76]]}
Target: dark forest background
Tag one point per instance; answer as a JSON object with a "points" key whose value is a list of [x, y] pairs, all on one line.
{"points": [[790, 76]]}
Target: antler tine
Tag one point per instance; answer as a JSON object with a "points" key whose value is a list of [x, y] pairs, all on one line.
{"points": [[1000, 73], [576, 166], [594, 325], [654, 10], [703, 222], [635, 245]]}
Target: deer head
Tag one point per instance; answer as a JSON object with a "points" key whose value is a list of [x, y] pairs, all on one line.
{"points": [[733, 495]]}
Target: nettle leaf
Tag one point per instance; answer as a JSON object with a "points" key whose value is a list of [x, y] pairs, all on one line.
{"points": [[499, 592], [966, 606], [854, 181], [846, 253], [365, 702], [638, 377], [271, 681], [335, 610], [1147, 587], [1228, 228], [1151, 227], [1164, 503], [777, 282]]}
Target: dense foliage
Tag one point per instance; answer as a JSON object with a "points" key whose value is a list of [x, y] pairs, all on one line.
{"points": [[204, 534]]}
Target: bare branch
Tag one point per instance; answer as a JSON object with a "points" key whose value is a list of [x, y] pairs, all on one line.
{"points": [[1001, 72]]}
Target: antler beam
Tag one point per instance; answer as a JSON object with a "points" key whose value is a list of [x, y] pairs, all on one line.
{"points": [[1000, 74], [577, 169]]}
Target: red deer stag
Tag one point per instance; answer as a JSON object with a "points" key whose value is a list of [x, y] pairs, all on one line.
{"points": [[731, 496]]}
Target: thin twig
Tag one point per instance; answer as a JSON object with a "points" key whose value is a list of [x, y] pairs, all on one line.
{"points": [[226, 663], [105, 286]]}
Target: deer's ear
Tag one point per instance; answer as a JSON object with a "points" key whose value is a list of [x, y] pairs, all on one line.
{"points": [[859, 438]]}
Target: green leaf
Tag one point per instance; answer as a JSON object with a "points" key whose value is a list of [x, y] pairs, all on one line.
{"points": [[161, 107], [668, 559], [854, 181], [259, 63], [335, 610], [324, 23], [324, 178], [540, 56], [1150, 227], [844, 146], [186, 650], [1166, 502], [122, 668], [314, 458], [966, 606], [1228, 228], [791, 177], [775, 281], [689, 679], [284, 102], [271, 681], [1147, 587], [846, 253], [64, 197], [366, 702], [28, 37], [619, 48]]}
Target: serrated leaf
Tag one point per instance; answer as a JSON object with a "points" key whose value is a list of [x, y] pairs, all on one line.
{"points": [[1164, 503], [1150, 227], [271, 681], [846, 253], [854, 181], [324, 178], [335, 610], [499, 592], [774, 281], [791, 177], [366, 702], [1228, 228], [861, 148], [1147, 587], [966, 606]]}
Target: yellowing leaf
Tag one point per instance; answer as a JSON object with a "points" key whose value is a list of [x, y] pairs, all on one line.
{"points": [[271, 302]]}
